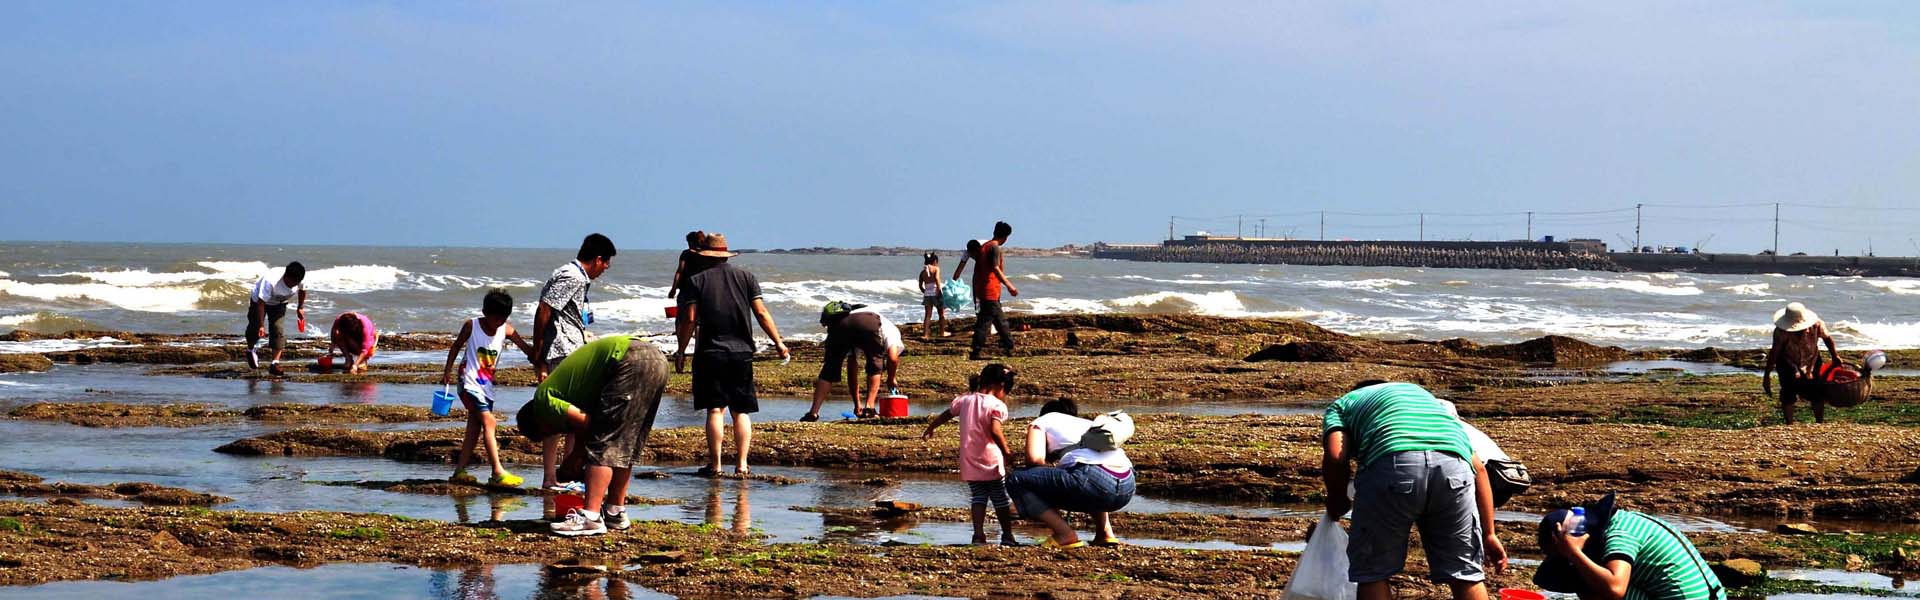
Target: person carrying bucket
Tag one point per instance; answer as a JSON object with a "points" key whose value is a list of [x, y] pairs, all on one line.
{"points": [[478, 348], [857, 328], [1795, 354]]}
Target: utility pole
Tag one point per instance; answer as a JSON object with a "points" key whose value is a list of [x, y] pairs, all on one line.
{"points": [[1169, 229], [1776, 232], [1529, 226], [1323, 226], [1263, 228], [1423, 227], [1636, 227], [1238, 222]]}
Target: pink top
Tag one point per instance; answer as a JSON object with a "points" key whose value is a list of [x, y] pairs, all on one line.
{"points": [[981, 459], [369, 337]]}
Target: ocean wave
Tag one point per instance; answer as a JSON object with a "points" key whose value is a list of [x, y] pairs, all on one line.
{"points": [[1041, 277], [1748, 289], [46, 322], [1358, 284], [1218, 304], [817, 293], [43, 346], [353, 279], [1904, 287], [443, 282], [1194, 280], [1640, 286], [1885, 335], [144, 299]]}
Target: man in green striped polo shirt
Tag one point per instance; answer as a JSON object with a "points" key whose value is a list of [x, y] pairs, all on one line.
{"points": [[1415, 467], [1641, 558]]}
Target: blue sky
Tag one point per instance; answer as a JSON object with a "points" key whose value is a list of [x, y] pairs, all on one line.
{"points": [[920, 123]]}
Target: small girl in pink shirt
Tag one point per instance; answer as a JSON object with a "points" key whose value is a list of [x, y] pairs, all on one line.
{"points": [[983, 448]]}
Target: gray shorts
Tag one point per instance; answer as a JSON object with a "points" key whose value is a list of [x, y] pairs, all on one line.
{"points": [[1431, 489], [620, 419]]}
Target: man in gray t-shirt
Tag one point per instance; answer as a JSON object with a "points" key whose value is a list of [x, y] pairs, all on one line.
{"points": [[561, 319]]}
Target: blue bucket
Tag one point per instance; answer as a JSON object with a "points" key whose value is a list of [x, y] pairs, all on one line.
{"points": [[443, 402]]}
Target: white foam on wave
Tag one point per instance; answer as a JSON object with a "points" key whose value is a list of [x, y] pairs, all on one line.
{"points": [[1517, 319], [1358, 284], [1042, 277], [1194, 279], [145, 299], [442, 282], [1904, 287], [353, 279], [817, 293], [1640, 286], [1748, 289], [1219, 304], [216, 271], [1881, 334], [648, 310], [41, 346]]}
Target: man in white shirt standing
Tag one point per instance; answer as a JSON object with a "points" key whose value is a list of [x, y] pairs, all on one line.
{"points": [[268, 305]]}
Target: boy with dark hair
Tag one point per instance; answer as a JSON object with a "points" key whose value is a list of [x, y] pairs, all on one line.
{"points": [[561, 318], [989, 276], [267, 305], [478, 347]]}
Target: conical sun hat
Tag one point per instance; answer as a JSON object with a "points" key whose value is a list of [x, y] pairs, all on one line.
{"points": [[1795, 317]]}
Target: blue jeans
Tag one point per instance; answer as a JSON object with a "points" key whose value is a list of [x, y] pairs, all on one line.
{"points": [[1079, 488]]}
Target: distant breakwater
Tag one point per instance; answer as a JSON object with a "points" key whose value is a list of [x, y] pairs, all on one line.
{"points": [[1500, 255]]}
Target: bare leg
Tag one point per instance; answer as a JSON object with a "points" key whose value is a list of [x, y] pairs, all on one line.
{"points": [[549, 460], [1786, 408], [1104, 521], [1062, 532], [1469, 590], [980, 523], [493, 445], [742, 439], [873, 391], [821, 389], [1005, 515], [716, 426], [598, 477], [926, 325], [1819, 411], [617, 488], [1377, 590], [473, 433]]}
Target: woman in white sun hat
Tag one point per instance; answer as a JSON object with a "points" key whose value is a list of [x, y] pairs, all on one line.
{"points": [[1795, 353]]}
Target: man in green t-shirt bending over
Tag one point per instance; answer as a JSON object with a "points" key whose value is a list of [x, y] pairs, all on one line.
{"points": [[1416, 467], [603, 396]]}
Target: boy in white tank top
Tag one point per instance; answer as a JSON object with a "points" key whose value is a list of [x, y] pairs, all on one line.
{"points": [[478, 348]]}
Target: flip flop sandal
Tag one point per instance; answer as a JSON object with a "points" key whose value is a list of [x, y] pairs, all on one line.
{"points": [[707, 472], [810, 418], [1049, 543]]}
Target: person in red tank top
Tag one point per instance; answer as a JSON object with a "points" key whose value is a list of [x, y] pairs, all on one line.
{"points": [[989, 276]]}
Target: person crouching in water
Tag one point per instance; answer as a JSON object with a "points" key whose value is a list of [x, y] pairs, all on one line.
{"points": [[354, 336], [1416, 467], [984, 452], [1795, 353], [603, 397], [478, 348]]}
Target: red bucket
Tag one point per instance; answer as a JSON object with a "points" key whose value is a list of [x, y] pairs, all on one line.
{"points": [[893, 406], [564, 503], [673, 312], [326, 363], [1519, 594]]}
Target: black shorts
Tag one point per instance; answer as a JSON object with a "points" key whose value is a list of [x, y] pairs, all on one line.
{"points": [[724, 380], [621, 417], [857, 331]]}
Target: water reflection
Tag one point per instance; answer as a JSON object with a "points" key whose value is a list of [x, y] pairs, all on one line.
{"points": [[377, 580], [716, 505], [498, 507]]}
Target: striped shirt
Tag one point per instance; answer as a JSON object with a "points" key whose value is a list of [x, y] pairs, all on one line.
{"points": [[1394, 417], [1665, 564]]}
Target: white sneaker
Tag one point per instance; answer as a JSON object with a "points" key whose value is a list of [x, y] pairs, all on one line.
{"points": [[617, 521], [577, 524]]}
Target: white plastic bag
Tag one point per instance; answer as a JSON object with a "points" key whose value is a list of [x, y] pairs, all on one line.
{"points": [[1322, 572]]}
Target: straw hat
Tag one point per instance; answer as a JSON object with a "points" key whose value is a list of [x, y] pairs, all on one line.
{"points": [[1795, 317], [715, 246]]}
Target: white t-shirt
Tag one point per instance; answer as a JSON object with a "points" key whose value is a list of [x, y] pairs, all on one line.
{"points": [[1483, 445], [271, 290], [888, 330], [1064, 430]]}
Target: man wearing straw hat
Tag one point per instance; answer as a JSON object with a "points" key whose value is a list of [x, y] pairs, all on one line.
{"points": [[1797, 334], [719, 303]]}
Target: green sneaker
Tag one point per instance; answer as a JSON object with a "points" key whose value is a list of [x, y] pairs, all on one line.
{"points": [[505, 479], [461, 476]]}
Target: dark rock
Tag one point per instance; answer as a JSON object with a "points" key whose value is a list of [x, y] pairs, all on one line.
{"points": [[1309, 352], [24, 363], [1555, 350]]}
